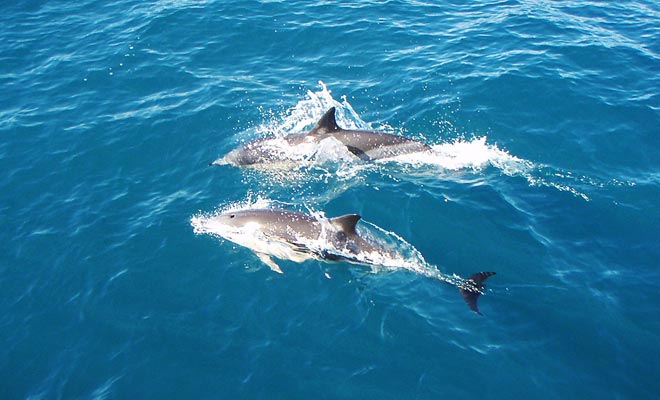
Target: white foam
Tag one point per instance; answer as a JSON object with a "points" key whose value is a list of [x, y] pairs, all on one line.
{"points": [[461, 154]]}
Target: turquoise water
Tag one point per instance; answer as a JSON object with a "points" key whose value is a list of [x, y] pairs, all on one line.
{"points": [[544, 120]]}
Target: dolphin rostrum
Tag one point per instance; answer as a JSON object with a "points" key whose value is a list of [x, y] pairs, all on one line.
{"points": [[366, 145], [296, 236]]}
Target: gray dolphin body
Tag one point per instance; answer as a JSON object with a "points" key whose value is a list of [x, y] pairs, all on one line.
{"points": [[366, 145], [298, 236]]}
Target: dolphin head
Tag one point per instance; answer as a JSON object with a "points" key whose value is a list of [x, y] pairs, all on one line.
{"points": [[267, 230], [259, 152], [247, 154], [268, 220], [235, 219], [236, 226]]}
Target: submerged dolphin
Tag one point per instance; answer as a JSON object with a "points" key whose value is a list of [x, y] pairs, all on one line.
{"points": [[366, 145], [297, 236]]}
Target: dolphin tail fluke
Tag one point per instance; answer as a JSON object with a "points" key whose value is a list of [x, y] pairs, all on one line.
{"points": [[472, 287]]}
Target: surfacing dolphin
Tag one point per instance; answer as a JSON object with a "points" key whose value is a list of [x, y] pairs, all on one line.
{"points": [[297, 236], [366, 145]]}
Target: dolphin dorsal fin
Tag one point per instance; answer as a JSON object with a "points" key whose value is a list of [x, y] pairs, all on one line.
{"points": [[346, 223], [327, 123]]}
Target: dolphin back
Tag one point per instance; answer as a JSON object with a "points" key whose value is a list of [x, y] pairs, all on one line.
{"points": [[366, 145]]}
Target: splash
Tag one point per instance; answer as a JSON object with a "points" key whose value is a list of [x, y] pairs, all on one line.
{"points": [[477, 154], [307, 112], [329, 162], [461, 154]]}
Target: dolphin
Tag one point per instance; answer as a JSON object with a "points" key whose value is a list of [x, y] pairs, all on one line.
{"points": [[296, 236], [366, 145]]}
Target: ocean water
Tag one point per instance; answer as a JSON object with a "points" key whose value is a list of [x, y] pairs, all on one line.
{"points": [[544, 118]]}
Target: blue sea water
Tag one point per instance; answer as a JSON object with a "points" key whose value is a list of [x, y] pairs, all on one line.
{"points": [[545, 120]]}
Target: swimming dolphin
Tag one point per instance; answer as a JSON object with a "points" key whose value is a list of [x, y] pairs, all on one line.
{"points": [[366, 145], [297, 236]]}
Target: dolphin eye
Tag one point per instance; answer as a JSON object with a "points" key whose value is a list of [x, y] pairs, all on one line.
{"points": [[232, 216]]}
